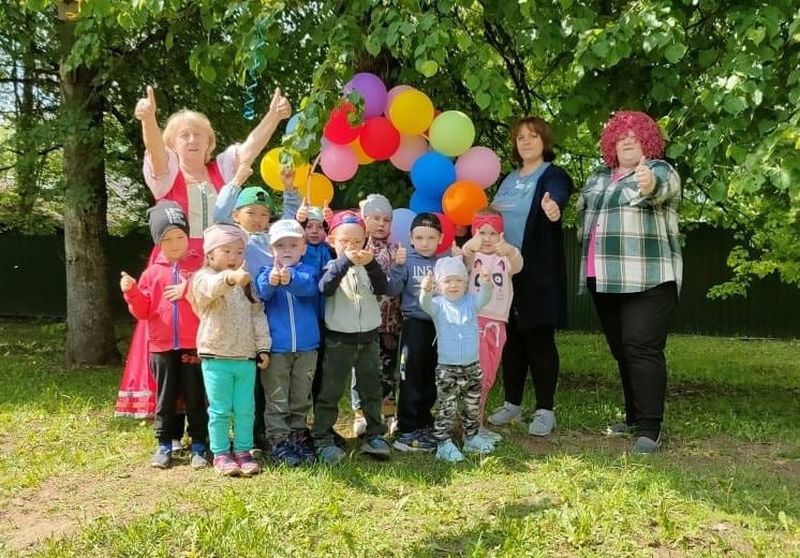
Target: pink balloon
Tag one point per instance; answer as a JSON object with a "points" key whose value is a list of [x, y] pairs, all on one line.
{"points": [[411, 148], [394, 92], [478, 164], [338, 162], [371, 89]]}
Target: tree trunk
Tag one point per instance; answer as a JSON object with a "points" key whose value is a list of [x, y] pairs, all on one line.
{"points": [[26, 179], [90, 326]]}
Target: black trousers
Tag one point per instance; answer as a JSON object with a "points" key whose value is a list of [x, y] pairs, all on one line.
{"points": [[417, 393], [635, 326], [259, 427], [178, 372], [531, 350]]}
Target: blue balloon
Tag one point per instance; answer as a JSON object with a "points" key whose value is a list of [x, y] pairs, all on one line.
{"points": [[401, 226], [421, 203], [432, 173], [292, 123]]}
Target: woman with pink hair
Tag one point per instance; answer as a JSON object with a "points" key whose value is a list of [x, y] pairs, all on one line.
{"points": [[631, 264]]}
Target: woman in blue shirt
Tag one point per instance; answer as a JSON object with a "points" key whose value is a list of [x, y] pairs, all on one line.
{"points": [[531, 200]]}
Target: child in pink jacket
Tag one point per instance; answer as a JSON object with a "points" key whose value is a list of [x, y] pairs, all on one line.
{"points": [[158, 298], [488, 250]]}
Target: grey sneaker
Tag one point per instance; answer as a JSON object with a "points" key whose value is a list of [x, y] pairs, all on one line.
{"points": [[331, 455], [448, 451], [377, 447], [619, 429], [478, 444], [489, 435], [645, 445], [543, 423], [199, 457], [505, 414], [162, 458]]}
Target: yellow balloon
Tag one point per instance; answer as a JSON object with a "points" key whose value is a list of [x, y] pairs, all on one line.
{"points": [[411, 112], [271, 169], [363, 158], [317, 189]]}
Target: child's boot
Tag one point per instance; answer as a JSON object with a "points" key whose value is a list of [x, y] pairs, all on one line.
{"points": [[162, 458]]}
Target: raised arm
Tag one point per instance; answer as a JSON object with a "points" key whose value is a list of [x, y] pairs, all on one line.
{"points": [[145, 112]]}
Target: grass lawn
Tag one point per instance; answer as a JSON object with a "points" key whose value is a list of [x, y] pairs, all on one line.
{"points": [[74, 481]]}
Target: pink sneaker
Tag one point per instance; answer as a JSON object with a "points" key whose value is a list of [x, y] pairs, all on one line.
{"points": [[247, 464], [226, 466]]}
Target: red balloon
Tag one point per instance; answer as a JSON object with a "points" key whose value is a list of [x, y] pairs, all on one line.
{"points": [[338, 129], [448, 234], [379, 138]]}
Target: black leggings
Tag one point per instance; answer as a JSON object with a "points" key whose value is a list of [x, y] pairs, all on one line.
{"points": [[535, 350]]}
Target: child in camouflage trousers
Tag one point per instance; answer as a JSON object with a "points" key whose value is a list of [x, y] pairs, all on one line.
{"points": [[458, 372]]}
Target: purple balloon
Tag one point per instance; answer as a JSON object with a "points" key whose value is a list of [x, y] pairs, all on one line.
{"points": [[371, 89], [401, 226]]}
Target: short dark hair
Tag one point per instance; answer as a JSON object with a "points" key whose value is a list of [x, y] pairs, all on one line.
{"points": [[541, 127]]}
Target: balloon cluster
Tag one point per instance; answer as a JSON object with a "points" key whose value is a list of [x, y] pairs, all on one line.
{"points": [[401, 125]]}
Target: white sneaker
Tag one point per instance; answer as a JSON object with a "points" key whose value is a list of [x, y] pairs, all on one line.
{"points": [[177, 446], [359, 424], [487, 434], [391, 424], [506, 414], [543, 423]]}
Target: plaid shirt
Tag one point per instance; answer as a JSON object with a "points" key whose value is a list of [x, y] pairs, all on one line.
{"points": [[636, 237]]}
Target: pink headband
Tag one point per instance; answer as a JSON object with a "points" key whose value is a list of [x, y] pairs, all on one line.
{"points": [[494, 221], [222, 233]]}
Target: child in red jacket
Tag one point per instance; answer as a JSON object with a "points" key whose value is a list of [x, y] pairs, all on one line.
{"points": [[158, 298]]}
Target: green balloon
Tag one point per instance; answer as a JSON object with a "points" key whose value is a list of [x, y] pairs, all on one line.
{"points": [[452, 133]]}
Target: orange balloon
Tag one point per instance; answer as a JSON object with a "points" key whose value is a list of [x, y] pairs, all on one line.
{"points": [[462, 200], [318, 189], [363, 158]]}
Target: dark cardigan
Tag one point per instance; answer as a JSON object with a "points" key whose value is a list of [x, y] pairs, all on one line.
{"points": [[540, 289]]}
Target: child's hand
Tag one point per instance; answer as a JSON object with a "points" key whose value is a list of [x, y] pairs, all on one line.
{"points": [[644, 176], [484, 274], [302, 212], [262, 360], [401, 255], [239, 277], [146, 107], [427, 282], [285, 275], [173, 293], [550, 208], [287, 177], [352, 255], [456, 251], [471, 246], [279, 106], [275, 277], [243, 172], [365, 256], [503, 248], [126, 283], [327, 212]]}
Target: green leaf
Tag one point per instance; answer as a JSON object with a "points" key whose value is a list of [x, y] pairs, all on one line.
{"points": [[674, 52], [600, 48], [483, 100], [718, 191], [734, 105], [373, 45], [428, 68], [208, 73]]}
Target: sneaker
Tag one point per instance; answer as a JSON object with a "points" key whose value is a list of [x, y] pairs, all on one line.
{"points": [[359, 424], [199, 457], [303, 446], [390, 421], [226, 465], [506, 414], [377, 447], [177, 446], [418, 440], [284, 452], [487, 434], [162, 458], [543, 423], [331, 455], [620, 429], [477, 444], [645, 445], [448, 451], [247, 464]]}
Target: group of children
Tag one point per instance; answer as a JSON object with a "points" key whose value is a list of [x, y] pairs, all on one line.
{"points": [[272, 323]]}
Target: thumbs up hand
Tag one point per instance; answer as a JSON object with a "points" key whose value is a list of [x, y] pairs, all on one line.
{"points": [[456, 251], [427, 282], [503, 248], [285, 275], [645, 178], [327, 212], [484, 274], [302, 212], [401, 255], [146, 107], [279, 105], [550, 208], [126, 282]]}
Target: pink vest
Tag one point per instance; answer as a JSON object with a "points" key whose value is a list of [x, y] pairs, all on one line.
{"points": [[503, 289]]}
